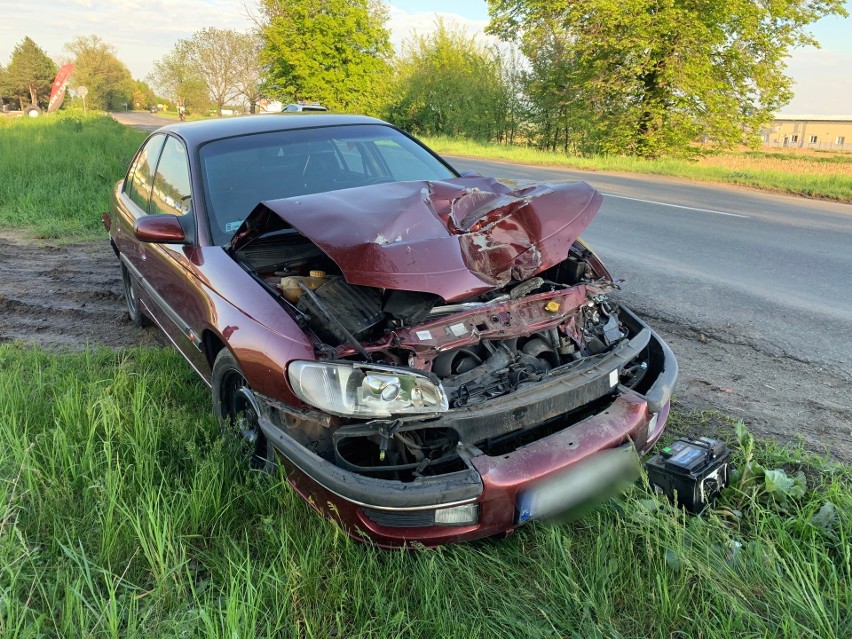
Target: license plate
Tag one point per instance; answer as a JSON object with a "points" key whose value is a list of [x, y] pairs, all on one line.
{"points": [[598, 476]]}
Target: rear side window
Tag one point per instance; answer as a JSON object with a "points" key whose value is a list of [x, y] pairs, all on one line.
{"points": [[138, 185], [171, 193]]}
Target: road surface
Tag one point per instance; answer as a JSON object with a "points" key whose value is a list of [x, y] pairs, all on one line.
{"points": [[142, 120], [775, 270]]}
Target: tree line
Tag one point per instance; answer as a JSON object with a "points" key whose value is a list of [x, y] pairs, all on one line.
{"points": [[28, 77], [636, 77]]}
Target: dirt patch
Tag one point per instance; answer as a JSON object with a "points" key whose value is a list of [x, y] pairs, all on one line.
{"points": [[777, 395], [64, 296], [70, 296]]}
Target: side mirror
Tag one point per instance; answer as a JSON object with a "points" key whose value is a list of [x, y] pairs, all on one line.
{"points": [[471, 173], [159, 229]]}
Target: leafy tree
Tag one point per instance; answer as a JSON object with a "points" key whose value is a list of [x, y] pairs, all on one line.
{"points": [[178, 81], [217, 65], [4, 85], [214, 56], [98, 69], [248, 69], [450, 84], [333, 51], [143, 95], [30, 74], [647, 77]]}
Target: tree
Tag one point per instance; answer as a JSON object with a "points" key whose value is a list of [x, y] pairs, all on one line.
{"points": [[220, 64], [29, 74], [333, 51], [143, 95], [214, 57], [98, 69], [648, 77], [177, 80], [4, 85], [248, 69], [448, 83]]}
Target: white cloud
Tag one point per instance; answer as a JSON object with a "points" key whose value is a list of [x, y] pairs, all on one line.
{"points": [[403, 24], [140, 30]]}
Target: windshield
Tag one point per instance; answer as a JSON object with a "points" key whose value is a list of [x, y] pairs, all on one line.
{"points": [[242, 171]]}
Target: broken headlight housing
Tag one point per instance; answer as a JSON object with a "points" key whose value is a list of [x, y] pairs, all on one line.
{"points": [[365, 390]]}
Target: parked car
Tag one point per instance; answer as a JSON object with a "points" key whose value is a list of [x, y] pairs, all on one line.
{"points": [[299, 107], [432, 357]]}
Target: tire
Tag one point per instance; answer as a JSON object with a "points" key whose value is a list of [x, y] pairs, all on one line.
{"points": [[237, 412], [131, 299], [32, 111]]}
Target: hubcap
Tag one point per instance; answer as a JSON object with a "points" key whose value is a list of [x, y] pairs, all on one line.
{"points": [[239, 410]]}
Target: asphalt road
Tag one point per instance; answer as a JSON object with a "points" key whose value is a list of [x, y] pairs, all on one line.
{"points": [[769, 271], [772, 271], [143, 121]]}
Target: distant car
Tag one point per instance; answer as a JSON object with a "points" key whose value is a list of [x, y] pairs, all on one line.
{"points": [[304, 106], [431, 357], [153, 109]]}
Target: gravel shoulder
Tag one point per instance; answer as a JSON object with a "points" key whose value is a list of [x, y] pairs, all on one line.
{"points": [[70, 296]]}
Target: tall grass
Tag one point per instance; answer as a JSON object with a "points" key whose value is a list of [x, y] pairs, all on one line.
{"points": [[57, 171], [121, 515], [800, 174]]}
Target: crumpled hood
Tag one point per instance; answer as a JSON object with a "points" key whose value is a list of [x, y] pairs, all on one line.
{"points": [[455, 238]]}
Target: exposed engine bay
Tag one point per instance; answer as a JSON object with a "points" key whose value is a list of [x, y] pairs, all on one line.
{"points": [[423, 378]]}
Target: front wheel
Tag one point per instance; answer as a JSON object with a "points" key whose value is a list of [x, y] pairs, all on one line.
{"points": [[238, 414]]}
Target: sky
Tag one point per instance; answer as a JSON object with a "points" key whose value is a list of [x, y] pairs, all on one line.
{"points": [[143, 30]]}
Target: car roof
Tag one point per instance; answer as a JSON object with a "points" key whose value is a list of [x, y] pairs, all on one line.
{"points": [[195, 133]]}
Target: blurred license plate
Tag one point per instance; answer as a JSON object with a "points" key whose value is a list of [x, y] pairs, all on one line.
{"points": [[598, 476]]}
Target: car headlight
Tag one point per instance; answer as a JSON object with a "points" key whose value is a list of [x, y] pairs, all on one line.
{"points": [[365, 390]]}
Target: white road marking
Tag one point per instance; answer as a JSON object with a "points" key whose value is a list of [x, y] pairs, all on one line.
{"points": [[676, 206]]}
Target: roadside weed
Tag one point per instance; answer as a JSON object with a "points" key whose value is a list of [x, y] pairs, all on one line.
{"points": [[58, 171]]}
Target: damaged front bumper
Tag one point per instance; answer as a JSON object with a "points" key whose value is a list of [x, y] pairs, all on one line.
{"points": [[482, 499]]}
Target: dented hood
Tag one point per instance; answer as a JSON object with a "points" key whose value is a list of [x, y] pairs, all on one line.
{"points": [[455, 238]]}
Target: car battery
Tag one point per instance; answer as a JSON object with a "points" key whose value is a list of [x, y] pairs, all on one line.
{"points": [[693, 471]]}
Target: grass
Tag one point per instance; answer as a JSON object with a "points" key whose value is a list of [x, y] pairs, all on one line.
{"points": [[57, 172], [121, 515], [814, 175]]}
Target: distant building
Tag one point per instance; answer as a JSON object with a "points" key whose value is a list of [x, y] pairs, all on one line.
{"points": [[828, 132]]}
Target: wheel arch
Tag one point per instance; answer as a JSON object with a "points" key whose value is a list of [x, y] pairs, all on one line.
{"points": [[212, 343]]}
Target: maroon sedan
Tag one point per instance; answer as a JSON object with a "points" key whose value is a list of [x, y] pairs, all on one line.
{"points": [[432, 357]]}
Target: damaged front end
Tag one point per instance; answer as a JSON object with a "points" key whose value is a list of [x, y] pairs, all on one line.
{"points": [[459, 327]]}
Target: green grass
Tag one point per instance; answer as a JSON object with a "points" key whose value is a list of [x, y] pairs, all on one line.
{"points": [[57, 172], [121, 515], [799, 174]]}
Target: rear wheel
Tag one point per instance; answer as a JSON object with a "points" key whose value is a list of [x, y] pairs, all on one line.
{"points": [[238, 414], [131, 297]]}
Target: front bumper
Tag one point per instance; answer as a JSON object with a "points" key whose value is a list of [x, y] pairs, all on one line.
{"points": [[392, 513]]}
